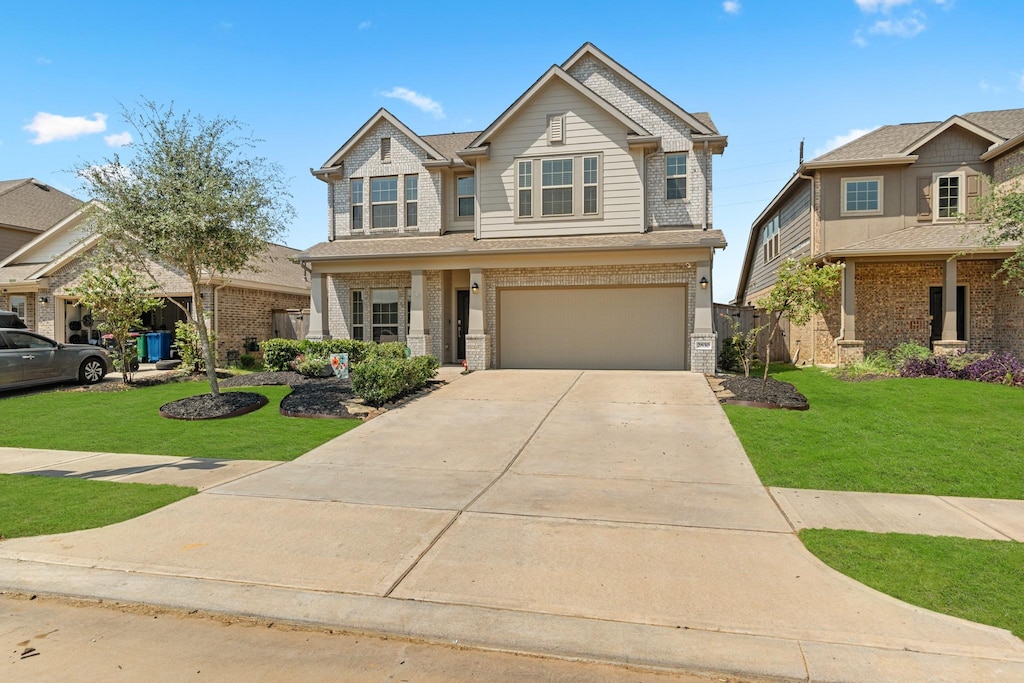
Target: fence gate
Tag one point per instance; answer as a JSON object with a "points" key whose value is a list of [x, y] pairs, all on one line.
{"points": [[292, 323]]}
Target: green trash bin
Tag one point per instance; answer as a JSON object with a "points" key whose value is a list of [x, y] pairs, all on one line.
{"points": [[140, 346]]}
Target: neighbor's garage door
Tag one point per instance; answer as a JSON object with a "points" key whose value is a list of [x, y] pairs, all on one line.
{"points": [[614, 328]]}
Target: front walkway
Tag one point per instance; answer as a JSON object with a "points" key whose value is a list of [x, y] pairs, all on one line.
{"points": [[595, 515]]}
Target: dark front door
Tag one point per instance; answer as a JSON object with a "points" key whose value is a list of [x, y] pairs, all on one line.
{"points": [[935, 310], [461, 322]]}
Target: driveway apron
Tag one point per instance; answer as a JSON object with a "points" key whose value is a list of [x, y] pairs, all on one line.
{"points": [[510, 501]]}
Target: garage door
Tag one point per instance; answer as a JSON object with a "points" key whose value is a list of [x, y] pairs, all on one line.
{"points": [[614, 328]]}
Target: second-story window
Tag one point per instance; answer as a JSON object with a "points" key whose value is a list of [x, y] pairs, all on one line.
{"points": [[556, 182], [465, 189], [590, 184], [412, 195], [770, 239], [947, 196], [675, 176], [357, 203], [862, 195], [525, 191], [384, 202]]}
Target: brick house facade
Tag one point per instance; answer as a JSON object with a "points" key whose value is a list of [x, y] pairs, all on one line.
{"points": [[897, 206], [575, 231]]}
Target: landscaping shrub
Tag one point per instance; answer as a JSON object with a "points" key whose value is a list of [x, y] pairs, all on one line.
{"points": [[380, 379], [247, 362], [190, 346], [278, 354], [994, 368], [908, 351], [309, 365], [394, 350]]}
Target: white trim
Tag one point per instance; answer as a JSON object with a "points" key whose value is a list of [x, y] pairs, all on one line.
{"points": [[537, 187], [961, 198], [381, 115], [685, 176], [844, 211], [946, 125]]}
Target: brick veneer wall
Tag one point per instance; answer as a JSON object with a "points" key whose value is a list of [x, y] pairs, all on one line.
{"points": [[245, 313], [1009, 167], [892, 302]]}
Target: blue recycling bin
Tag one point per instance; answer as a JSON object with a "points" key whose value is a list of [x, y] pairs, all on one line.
{"points": [[153, 346], [165, 345]]}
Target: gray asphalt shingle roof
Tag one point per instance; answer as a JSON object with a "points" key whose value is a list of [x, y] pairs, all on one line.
{"points": [[449, 144], [940, 237], [28, 203]]}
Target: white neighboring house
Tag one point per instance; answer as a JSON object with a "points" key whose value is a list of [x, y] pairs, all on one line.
{"points": [[246, 307], [574, 232]]}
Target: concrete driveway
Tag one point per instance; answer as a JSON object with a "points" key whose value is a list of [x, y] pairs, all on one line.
{"points": [[605, 515]]}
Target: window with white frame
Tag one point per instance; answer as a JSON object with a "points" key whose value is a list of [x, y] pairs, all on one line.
{"points": [[948, 191], [862, 195], [385, 313], [525, 189], [675, 176], [465, 191], [19, 305], [590, 184], [556, 187], [412, 195], [357, 314], [384, 202], [770, 239], [357, 203]]}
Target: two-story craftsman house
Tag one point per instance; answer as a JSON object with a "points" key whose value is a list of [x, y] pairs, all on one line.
{"points": [[897, 206], [574, 232]]}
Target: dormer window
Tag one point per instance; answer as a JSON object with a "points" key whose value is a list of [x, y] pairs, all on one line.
{"points": [[385, 150]]}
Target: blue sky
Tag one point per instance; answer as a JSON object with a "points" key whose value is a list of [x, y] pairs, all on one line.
{"points": [[304, 76]]}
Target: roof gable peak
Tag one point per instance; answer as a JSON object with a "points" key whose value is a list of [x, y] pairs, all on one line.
{"points": [[381, 115]]}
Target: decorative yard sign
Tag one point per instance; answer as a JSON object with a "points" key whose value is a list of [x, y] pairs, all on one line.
{"points": [[339, 363]]}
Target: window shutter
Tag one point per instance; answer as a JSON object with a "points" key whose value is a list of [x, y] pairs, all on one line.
{"points": [[924, 198], [556, 128], [973, 195]]}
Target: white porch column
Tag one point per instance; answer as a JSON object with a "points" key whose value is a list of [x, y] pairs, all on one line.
{"points": [[949, 343], [418, 340], [318, 319], [478, 343], [702, 339], [849, 299]]}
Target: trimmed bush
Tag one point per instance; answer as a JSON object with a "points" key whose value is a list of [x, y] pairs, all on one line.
{"points": [[310, 365], [393, 350], [380, 379], [278, 354]]}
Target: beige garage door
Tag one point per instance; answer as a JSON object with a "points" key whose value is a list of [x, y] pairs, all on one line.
{"points": [[614, 328]]}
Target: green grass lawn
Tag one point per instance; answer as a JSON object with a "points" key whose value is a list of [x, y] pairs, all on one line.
{"points": [[129, 422], [30, 506], [982, 581], [929, 436]]}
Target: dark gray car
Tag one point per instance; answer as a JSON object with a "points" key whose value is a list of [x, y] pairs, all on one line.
{"points": [[28, 359], [11, 319]]}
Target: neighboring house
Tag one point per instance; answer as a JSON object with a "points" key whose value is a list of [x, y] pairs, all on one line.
{"points": [[889, 205], [574, 232], [27, 208], [247, 306]]}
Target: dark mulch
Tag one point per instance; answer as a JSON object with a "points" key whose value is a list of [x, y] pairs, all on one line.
{"points": [[208, 407], [310, 397], [748, 389]]}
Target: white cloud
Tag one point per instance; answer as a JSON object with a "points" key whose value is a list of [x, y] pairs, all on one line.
{"points": [[51, 127], [731, 7], [363, 25], [858, 39], [841, 139], [421, 102], [118, 139], [907, 27], [882, 6]]}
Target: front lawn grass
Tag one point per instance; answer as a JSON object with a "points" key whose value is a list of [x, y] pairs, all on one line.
{"points": [[129, 422], [928, 436], [30, 505], [982, 581]]}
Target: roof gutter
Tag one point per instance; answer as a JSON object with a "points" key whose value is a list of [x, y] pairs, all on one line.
{"points": [[879, 161], [996, 150]]}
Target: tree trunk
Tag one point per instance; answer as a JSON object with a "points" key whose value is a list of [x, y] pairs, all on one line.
{"points": [[204, 337], [768, 350]]}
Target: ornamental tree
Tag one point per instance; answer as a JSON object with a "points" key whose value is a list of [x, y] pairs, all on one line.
{"points": [[1001, 209], [191, 198], [118, 298], [800, 292]]}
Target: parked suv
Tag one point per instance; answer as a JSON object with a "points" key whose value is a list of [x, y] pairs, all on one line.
{"points": [[10, 319], [27, 359]]}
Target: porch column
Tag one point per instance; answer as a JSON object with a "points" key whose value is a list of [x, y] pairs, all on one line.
{"points": [[418, 340], [949, 343], [849, 349], [702, 339], [318, 320], [478, 343]]}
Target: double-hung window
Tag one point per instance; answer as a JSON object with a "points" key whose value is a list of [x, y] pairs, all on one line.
{"points": [[412, 195], [948, 190], [525, 189], [465, 189], [862, 196], [770, 239], [384, 202], [18, 305], [385, 313], [357, 314], [589, 185], [675, 176], [556, 184], [357, 203]]}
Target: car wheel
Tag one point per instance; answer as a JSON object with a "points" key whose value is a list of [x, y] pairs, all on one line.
{"points": [[92, 371]]}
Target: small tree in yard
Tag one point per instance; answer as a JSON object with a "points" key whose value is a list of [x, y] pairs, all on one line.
{"points": [[191, 199], [799, 294], [119, 298], [742, 345], [1002, 212]]}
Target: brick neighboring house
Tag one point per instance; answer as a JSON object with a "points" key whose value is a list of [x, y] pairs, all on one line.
{"points": [[251, 304], [574, 232], [27, 208], [887, 205]]}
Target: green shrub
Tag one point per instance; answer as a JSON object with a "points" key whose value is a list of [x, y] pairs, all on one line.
{"points": [[960, 361], [190, 346], [393, 350], [278, 354], [247, 362], [378, 379], [908, 351], [311, 365]]}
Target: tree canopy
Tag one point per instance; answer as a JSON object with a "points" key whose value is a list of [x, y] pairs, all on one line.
{"points": [[1002, 212]]}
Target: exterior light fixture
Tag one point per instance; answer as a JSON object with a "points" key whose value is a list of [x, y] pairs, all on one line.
{"points": [[44, 300], [475, 288], [703, 283]]}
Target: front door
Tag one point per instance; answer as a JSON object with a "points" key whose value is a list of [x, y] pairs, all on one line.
{"points": [[461, 322], [935, 310]]}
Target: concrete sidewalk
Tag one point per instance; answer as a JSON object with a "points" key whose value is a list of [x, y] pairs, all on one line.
{"points": [[596, 515]]}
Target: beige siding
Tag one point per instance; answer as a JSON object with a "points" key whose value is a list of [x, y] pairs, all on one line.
{"points": [[588, 130]]}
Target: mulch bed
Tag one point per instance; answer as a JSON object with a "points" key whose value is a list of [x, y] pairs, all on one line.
{"points": [[210, 407], [747, 391]]}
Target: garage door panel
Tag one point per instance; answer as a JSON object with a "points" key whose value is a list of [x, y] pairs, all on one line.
{"points": [[642, 328]]}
